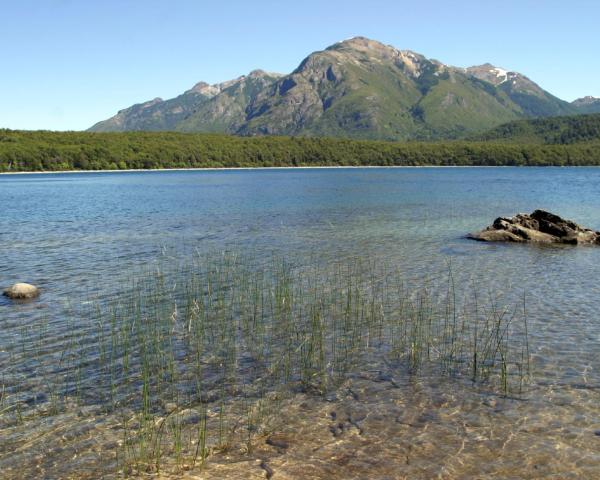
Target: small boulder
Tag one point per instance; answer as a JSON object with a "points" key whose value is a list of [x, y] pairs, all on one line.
{"points": [[22, 291], [279, 441], [538, 227]]}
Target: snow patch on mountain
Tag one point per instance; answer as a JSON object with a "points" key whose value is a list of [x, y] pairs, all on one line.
{"points": [[500, 73]]}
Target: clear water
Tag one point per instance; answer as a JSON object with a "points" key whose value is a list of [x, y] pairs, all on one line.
{"points": [[78, 236]]}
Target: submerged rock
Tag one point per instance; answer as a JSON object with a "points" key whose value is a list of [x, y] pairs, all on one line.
{"points": [[279, 441], [539, 227], [22, 291]]}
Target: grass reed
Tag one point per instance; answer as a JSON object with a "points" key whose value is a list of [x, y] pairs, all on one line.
{"points": [[200, 353]]}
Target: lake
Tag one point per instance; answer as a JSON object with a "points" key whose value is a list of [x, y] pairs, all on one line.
{"points": [[83, 237]]}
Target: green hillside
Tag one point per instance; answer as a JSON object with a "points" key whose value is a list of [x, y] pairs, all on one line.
{"points": [[564, 130]]}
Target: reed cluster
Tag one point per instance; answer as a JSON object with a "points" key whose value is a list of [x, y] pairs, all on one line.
{"points": [[192, 358]]}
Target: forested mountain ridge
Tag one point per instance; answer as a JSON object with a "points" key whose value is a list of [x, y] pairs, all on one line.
{"points": [[550, 131]]}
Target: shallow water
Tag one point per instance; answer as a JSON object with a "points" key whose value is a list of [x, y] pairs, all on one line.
{"points": [[81, 237]]}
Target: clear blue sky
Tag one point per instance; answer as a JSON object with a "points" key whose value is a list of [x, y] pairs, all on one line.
{"points": [[66, 64]]}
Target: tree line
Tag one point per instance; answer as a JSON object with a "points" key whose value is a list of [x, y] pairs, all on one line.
{"points": [[60, 151]]}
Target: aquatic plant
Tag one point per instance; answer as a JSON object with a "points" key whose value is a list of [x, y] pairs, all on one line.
{"points": [[194, 358]]}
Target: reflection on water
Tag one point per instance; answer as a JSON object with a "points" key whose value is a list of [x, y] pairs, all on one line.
{"points": [[81, 237]]}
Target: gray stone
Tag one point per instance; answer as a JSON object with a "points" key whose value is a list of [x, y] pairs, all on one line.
{"points": [[538, 227]]}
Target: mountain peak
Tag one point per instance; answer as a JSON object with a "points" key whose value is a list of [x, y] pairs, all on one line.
{"points": [[587, 99], [361, 44], [359, 41], [492, 74], [587, 104], [208, 90], [205, 89], [257, 73]]}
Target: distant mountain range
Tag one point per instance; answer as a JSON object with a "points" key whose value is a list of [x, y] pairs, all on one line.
{"points": [[588, 104], [357, 88]]}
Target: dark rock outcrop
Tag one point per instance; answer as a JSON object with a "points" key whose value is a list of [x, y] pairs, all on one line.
{"points": [[539, 227]]}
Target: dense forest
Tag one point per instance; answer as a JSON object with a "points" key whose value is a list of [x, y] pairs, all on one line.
{"points": [[564, 130], [57, 151]]}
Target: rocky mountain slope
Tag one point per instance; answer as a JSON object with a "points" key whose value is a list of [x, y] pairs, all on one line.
{"points": [[587, 104], [203, 108], [358, 88]]}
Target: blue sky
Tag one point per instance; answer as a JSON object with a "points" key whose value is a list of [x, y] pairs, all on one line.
{"points": [[66, 64]]}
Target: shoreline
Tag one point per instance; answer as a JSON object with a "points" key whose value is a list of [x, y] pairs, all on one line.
{"points": [[316, 167]]}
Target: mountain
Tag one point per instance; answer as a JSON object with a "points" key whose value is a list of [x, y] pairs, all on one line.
{"points": [[531, 98], [549, 131], [587, 104], [357, 88], [203, 108]]}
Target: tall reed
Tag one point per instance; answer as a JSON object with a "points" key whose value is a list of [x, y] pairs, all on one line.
{"points": [[201, 354]]}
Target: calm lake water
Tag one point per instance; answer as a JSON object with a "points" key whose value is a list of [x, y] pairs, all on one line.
{"points": [[81, 237]]}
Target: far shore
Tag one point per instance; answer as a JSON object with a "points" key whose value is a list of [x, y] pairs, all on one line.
{"points": [[46, 172]]}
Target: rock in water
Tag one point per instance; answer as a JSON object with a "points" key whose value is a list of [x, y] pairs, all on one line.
{"points": [[539, 227], [22, 291]]}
